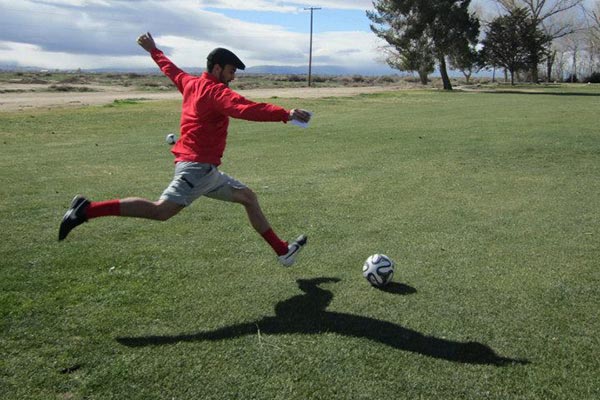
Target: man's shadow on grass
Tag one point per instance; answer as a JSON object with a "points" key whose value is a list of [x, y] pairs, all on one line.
{"points": [[307, 314]]}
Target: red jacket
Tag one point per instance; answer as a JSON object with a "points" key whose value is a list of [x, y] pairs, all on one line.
{"points": [[207, 106]]}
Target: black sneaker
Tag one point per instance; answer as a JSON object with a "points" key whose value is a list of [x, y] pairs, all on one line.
{"points": [[74, 216], [288, 259]]}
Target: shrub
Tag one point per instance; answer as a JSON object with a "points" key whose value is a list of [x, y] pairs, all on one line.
{"points": [[385, 79], [68, 88], [593, 78], [296, 78]]}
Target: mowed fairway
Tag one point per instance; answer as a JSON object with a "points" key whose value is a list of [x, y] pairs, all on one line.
{"points": [[488, 202]]}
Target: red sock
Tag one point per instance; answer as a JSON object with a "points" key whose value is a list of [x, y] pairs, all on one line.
{"points": [[277, 244], [103, 208]]}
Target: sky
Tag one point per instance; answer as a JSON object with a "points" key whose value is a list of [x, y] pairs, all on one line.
{"points": [[90, 34]]}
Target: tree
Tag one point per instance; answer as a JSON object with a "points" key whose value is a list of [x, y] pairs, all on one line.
{"points": [[560, 60], [574, 48], [418, 56], [593, 34], [513, 40], [447, 23], [595, 16], [466, 61], [545, 15]]}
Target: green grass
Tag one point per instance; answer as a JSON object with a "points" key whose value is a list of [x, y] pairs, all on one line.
{"points": [[488, 202]]}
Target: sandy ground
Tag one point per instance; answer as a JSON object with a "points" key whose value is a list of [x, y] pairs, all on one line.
{"points": [[20, 97]]}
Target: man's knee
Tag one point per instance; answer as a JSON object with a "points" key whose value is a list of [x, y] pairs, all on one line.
{"points": [[164, 210], [245, 197]]}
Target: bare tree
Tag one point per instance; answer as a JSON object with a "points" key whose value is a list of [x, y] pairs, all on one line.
{"points": [[594, 35], [572, 45], [593, 38], [595, 19], [592, 52], [560, 61], [545, 13], [594, 23]]}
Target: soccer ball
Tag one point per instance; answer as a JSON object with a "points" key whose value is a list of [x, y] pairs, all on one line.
{"points": [[171, 138], [378, 270]]}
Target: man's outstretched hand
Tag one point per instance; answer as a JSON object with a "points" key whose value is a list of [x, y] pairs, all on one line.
{"points": [[147, 42], [299, 115]]}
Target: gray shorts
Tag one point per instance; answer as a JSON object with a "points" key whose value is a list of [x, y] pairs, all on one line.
{"points": [[192, 180]]}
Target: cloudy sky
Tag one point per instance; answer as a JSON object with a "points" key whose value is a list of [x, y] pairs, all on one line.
{"points": [[70, 34]]}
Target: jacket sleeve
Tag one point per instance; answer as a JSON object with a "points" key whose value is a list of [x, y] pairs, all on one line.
{"points": [[235, 105], [176, 75]]}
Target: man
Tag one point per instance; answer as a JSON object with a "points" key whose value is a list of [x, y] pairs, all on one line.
{"points": [[207, 105]]}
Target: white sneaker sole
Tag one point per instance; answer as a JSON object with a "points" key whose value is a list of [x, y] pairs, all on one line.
{"points": [[288, 259]]}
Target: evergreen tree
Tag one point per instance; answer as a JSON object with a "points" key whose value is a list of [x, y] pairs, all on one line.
{"points": [[447, 23], [514, 41], [417, 56]]}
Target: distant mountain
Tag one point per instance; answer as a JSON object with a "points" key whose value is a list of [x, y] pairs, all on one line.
{"points": [[331, 70], [15, 67], [260, 69]]}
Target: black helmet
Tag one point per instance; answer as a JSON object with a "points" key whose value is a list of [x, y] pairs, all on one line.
{"points": [[223, 57]]}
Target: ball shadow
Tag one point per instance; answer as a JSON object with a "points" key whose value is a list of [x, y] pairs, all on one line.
{"points": [[398, 288]]}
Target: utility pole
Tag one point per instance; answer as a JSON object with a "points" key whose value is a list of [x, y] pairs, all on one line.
{"points": [[311, 40]]}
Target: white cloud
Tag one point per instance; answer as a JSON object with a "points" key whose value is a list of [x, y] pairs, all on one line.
{"points": [[250, 5], [349, 49], [345, 4], [97, 33], [287, 6], [22, 54]]}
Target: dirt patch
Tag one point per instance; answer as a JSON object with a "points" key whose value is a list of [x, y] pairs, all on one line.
{"points": [[23, 97]]}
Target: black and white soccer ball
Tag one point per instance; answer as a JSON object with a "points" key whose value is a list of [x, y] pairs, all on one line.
{"points": [[171, 138], [378, 269]]}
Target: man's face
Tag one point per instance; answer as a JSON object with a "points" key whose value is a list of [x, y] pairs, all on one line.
{"points": [[227, 74]]}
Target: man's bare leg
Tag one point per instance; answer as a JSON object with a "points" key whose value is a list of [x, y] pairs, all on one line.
{"points": [[160, 210], [82, 210]]}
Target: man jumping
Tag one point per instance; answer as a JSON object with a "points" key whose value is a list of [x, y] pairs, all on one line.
{"points": [[208, 103]]}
